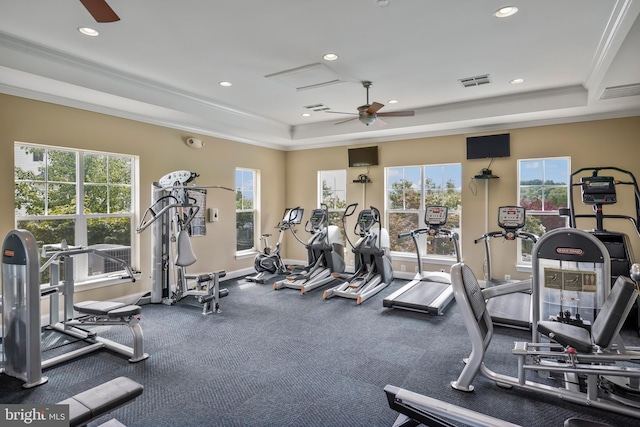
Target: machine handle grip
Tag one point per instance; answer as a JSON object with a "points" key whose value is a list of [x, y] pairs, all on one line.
{"points": [[525, 235], [412, 232], [487, 235]]}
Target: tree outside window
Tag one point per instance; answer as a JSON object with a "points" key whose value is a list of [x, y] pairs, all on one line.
{"points": [[409, 191], [543, 188], [246, 209], [332, 192], [83, 198]]}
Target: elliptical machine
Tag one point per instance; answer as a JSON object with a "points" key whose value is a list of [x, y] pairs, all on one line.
{"points": [[372, 263], [325, 252], [269, 263]]}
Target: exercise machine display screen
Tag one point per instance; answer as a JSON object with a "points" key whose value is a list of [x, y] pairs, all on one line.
{"points": [[317, 217], [510, 217], [293, 216], [365, 220], [435, 215], [598, 190]]}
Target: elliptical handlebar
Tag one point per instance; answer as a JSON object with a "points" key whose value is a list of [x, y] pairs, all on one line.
{"points": [[348, 211]]}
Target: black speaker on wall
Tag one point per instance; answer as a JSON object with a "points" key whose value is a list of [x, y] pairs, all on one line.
{"points": [[488, 146]]}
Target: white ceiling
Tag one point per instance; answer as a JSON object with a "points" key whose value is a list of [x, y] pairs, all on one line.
{"points": [[161, 63]]}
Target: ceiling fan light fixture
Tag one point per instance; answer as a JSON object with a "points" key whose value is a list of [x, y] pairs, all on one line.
{"points": [[88, 31], [330, 56], [367, 119], [506, 11], [392, 101]]}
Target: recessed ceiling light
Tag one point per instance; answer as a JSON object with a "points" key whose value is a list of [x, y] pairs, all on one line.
{"points": [[516, 81], [87, 31], [503, 12], [392, 101], [330, 56], [225, 83], [306, 115]]}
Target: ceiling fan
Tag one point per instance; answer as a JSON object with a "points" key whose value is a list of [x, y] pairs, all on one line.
{"points": [[100, 10], [368, 113]]}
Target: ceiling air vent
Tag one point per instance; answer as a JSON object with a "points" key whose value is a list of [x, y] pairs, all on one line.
{"points": [[621, 91], [317, 107], [307, 77], [475, 81]]}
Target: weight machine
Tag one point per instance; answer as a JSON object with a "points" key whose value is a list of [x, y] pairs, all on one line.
{"points": [[171, 212], [598, 190], [22, 292]]}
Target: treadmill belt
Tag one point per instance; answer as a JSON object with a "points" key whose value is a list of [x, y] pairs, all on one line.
{"points": [[421, 297]]}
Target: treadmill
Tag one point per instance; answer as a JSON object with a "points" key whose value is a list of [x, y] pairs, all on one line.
{"points": [[514, 309], [429, 291]]}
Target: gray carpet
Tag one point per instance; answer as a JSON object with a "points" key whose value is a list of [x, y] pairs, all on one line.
{"points": [[278, 358]]}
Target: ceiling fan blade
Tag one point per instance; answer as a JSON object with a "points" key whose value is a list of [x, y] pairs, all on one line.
{"points": [[398, 114], [373, 108], [340, 112], [100, 10], [380, 123], [345, 121]]}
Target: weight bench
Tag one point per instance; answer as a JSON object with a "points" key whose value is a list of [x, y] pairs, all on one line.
{"points": [[100, 400], [108, 313]]}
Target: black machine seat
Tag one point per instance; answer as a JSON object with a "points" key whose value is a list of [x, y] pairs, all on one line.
{"points": [[100, 400], [605, 327], [107, 308]]}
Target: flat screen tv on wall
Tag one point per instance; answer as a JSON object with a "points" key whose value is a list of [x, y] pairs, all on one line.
{"points": [[488, 146], [367, 156]]}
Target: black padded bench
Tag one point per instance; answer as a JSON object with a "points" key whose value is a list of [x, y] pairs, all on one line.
{"points": [[606, 326], [100, 400], [110, 309]]}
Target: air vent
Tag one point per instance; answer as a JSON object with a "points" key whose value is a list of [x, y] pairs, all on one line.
{"points": [[317, 107], [621, 91], [475, 81], [307, 77]]}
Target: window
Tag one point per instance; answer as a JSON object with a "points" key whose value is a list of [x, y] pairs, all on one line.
{"points": [[543, 188], [332, 192], [409, 190], [84, 198], [246, 209]]}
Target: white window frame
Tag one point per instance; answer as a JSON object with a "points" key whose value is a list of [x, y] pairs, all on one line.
{"points": [[80, 218], [525, 264], [338, 188], [256, 211], [428, 258]]}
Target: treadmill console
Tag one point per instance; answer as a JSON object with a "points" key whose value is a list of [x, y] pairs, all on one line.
{"points": [[598, 190], [511, 217], [435, 215]]}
